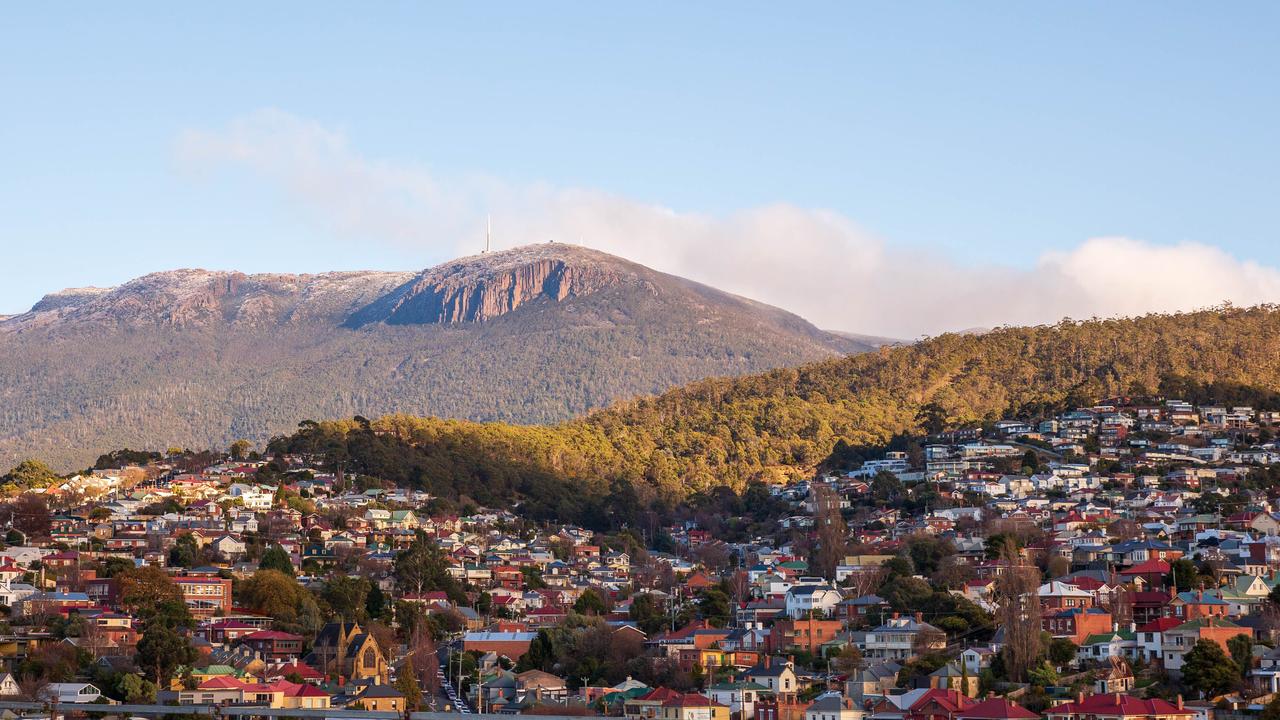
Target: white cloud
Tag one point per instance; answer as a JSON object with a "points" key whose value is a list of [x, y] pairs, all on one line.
{"points": [[816, 263]]}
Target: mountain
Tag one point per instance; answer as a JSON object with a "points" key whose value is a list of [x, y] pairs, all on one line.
{"points": [[537, 334], [790, 422]]}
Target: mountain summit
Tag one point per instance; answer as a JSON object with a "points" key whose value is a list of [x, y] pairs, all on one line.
{"points": [[535, 334], [483, 287]]}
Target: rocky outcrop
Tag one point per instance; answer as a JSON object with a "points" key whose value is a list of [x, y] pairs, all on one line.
{"points": [[488, 286]]}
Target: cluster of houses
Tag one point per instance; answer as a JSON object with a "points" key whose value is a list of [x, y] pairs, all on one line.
{"points": [[1121, 496]]}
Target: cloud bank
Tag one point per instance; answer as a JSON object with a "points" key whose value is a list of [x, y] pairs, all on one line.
{"points": [[816, 263]]}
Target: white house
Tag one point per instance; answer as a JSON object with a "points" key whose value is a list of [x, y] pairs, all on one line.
{"points": [[254, 497], [833, 706], [811, 598]]}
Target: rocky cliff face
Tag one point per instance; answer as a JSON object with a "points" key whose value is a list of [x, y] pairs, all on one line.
{"points": [[488, 286]]}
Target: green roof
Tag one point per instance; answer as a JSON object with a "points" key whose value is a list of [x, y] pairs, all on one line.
{"points": [[739, 685], [1108, 637], [1203, 622]]}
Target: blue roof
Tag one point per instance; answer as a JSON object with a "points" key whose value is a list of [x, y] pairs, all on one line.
{"points": [[1206, 599]]}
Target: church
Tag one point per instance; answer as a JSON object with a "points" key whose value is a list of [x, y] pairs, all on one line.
{"points": [[344, 650]]}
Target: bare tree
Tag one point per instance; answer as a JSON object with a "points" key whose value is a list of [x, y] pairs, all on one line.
{"points": [[1018, 612], [832, 533]]}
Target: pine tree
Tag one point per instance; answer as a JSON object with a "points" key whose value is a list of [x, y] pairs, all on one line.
{"points": [[407, 684]]}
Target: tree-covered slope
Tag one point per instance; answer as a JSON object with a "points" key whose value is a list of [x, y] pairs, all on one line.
{"points": [[786, 422]]}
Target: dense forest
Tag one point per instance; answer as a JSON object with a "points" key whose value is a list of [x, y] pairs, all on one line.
{"points": [[786, 423]]}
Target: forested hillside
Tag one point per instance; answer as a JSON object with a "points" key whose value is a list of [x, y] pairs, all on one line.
{"points": [[787, 422]]}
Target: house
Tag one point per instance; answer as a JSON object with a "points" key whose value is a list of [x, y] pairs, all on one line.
{"points": [[205, 595], [540, 686], [812, 599], [806, 634], [922, 704], [692, 706], [1102, 647], [273, 645], [902, 638], [779, 676], [508, 644], [739, 696], [1178, 641], [1117, 706], [381, 698], [955, 676], [9, 686], [1118, 678], [1057, 595], [1077, 624], [833, 706], [1198, 604], [996, 708], [873, 681], [70, 692]]}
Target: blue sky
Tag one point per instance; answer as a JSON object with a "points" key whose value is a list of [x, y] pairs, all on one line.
{"points": [[994, 140]]}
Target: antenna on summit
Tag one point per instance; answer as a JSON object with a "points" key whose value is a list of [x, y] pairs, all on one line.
{"points": [[488, 231]]}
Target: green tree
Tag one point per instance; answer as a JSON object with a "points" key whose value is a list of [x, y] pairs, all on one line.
{"points": [[714, 606], [1043, 675], [29, 474], [375, 604], [274, 594], [1062, 651], [1241, 649], [1031, 461], [589, 603], [161, 649], [407, 684], [886, 487], [133, 688], [1207, 668], [422, 567], [143, 589], [540, 656], [646, 613], [927, 552], [848, 661], [1183, 575], [240, 449], [185, 552], [347, 596], [532, 578], [277, 558]]}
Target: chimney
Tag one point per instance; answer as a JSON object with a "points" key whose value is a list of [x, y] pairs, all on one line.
{"points": [[768, 661], [1080, 696], [919, 617], [1200, 594], [1179, 702], [895, 615]]}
